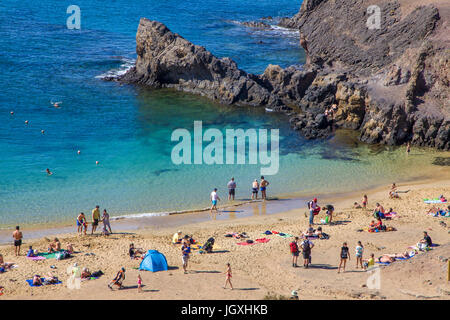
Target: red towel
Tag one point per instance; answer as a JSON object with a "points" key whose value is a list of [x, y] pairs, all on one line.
{"points": [[263, 240], [245, 243]]}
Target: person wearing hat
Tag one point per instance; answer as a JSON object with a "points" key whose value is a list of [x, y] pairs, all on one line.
{"points": [[294, 295], [176, 237]]}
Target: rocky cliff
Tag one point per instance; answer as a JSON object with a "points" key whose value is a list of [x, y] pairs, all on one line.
{"points": [[391, 84]]}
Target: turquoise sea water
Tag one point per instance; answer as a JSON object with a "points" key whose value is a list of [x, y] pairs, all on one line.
{"points": [[128, 129]]}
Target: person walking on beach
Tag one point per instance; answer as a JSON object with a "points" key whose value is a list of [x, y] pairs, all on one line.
{"points": [[139, 283], [95, 218], [228, 277], [264, 183], [255, 187], [312, 205], [81, 223], [17, 235], [105, 219], [231, 189], [345, 254], [118, 280], [295, 251], [185, 252], [214, 198], [359, 250], [306, 249]]}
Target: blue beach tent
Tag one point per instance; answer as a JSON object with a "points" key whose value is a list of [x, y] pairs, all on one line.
{"points": [[154, 261]]}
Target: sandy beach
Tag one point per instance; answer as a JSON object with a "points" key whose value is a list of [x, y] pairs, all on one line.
{"points": [[260, 271]]}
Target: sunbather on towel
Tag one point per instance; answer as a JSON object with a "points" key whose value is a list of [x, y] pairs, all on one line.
{"points": [[54, 246], [85, 274], [386, 259], [50, 279], [309, 232], [37, 280]]}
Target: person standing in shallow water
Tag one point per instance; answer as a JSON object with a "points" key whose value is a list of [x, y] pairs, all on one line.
{"points": [[263, 184], [231, 189]]}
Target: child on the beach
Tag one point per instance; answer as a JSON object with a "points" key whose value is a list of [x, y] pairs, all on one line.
{"points": [[365, 201], [345, 254], [228, 277], [368, 263], [139, 282]]}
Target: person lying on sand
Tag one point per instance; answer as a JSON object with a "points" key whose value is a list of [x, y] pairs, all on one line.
{"points": [[37, 280], [5, 265], [50, 279], [356, 205], [85, 273]]}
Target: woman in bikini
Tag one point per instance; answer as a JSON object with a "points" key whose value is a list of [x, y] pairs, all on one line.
{"points": [[228, 277]]}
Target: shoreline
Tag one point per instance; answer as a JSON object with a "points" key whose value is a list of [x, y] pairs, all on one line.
{"points": [[273, 206], [274, 274]]}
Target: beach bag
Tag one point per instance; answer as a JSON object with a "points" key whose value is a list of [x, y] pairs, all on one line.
{"points": [[294, 247], [249, 241], [316, 211], [306, 246]]}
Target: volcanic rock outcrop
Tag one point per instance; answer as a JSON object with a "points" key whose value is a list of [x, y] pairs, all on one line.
{"points": [[391, 84]]}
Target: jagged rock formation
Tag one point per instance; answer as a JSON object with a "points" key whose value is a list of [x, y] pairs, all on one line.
{"points": [[391, 84]]}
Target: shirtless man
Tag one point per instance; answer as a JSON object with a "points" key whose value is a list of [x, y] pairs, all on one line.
{"points": [[95, 218], [17, 235], [263, 185]]}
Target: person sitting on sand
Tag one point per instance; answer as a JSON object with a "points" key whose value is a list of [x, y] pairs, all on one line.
{"points": [[134, 252], [54, 246], [372, 226], [30, 252], [176, 239], [37, 280], [309, 232], [118, 280], [425, 242], [442, 198], [70, 248], [379, 211], [393, 195], [356, 205], [368, 263]]}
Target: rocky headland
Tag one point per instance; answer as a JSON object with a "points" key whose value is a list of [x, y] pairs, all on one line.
{"points": [[391, 84]]}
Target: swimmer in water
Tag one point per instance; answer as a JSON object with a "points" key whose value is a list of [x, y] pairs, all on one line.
{"points": [[56, 104], [49, 172], [42, 131], [78, 151], [26, 121]]}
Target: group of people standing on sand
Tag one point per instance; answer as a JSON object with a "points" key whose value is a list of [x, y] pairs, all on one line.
{"points": [[231, 186], [82, 222]]}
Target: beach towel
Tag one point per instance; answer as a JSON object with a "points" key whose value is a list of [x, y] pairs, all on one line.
{"points": [[383, 263], [30, 282], [51, 255], [283, 235], [245, 243], [263, 240], [36, 258]]}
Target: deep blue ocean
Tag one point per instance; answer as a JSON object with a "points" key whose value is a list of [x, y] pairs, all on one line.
{"points": [[128, 129]]}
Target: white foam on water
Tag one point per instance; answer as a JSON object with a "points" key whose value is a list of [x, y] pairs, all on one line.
{"points": [[126, 65]]}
